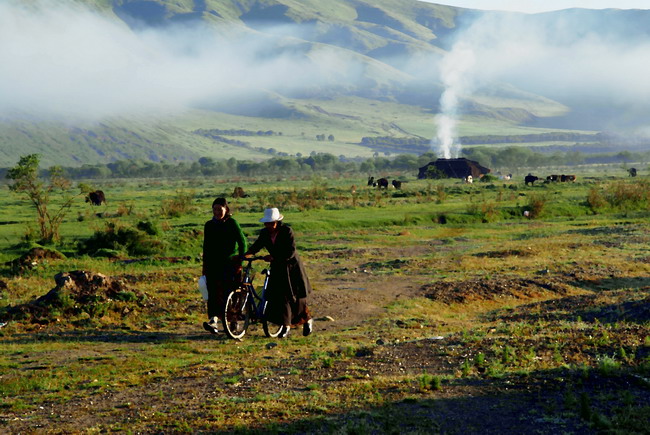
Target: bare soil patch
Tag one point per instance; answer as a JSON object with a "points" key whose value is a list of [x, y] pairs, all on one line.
{"points": [[490, 289]]}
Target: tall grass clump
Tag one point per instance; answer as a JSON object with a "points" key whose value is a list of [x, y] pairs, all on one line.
{"points": [[486, 211], [179, 205], [596, 200], [536, 205], [626, 196], [621, 195]]}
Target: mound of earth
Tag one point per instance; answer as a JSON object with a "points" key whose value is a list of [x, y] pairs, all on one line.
{"points": [[75, 292], [33, 257], [488, 289]]}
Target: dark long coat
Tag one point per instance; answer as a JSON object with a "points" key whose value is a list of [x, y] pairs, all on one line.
{"points": [[222, 242], [288, 274], [288, 284]]}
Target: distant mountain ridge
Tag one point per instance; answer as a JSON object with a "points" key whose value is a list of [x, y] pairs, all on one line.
{"points": [[393, 45]]}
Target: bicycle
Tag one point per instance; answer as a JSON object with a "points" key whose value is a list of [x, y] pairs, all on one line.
{"points": [[245, 306]]}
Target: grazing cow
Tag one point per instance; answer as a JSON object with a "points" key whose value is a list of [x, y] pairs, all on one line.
{"points": [[397, 184], [382, 183], [553, 178], [530, 179], [469, 179], [239, 193], [565, 178], [632, 172], [371, 181], [96, 197]]}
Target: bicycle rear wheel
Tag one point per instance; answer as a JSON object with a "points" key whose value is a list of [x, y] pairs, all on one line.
{"points": [[270, 329], [237, 314]]}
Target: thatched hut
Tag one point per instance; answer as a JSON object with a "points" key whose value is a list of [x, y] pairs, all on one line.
{"points": [[453, 168]]}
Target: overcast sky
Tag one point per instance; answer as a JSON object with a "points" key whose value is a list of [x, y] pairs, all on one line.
{"points": [[533, 6]]}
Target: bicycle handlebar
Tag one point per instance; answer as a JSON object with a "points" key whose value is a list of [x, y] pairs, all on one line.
{"points": [[251, 259]]}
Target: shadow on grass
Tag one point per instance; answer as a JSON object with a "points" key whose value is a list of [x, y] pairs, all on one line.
{"points": [[547, 402], [632, 305], [112, 336], [610, 284]]}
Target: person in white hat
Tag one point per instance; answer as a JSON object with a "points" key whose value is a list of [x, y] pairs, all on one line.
{"points": [[289, 285]]}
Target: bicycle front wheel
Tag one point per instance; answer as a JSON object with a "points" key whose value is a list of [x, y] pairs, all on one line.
{"points": [[237, 314]]}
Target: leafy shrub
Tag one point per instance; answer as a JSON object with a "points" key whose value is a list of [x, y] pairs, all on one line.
{"points": [[121, 238], [148, 227], [488, 178], [125, 296], [107, 253], [434, 173]]}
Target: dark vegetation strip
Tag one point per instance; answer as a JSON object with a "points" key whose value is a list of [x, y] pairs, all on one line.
{"points": [[508, 157]]}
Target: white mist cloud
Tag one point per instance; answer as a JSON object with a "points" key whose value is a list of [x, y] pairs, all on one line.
{"points": [[547, 56], [61, 60]]}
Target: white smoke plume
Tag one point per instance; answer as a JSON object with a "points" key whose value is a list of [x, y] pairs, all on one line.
{"points": [[454, 70]]}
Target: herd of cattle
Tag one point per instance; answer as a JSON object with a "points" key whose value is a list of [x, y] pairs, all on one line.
{"points": [[382, 183], [530, 179], [98, 198]]}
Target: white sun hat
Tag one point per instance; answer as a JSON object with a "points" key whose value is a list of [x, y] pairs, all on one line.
{"points": [[272, 215]]}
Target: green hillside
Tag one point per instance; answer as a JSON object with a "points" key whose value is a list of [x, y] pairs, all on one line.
{"points": [[365, 70]]}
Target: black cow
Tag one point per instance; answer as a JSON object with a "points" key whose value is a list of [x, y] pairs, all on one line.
{"points": [[397, 184], [530, 179], [239, 193], [382, 183], [371, 181], [553, 178], [96, 198], [632, 172], [565, 178]]}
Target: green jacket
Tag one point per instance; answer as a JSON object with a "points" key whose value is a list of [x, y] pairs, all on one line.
{"points": [[222, 240]]}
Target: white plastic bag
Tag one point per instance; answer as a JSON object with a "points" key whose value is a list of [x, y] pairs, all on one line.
{"points": [[203, 287]]}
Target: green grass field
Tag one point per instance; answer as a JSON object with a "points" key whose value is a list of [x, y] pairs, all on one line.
{"points": [[440, 307]]}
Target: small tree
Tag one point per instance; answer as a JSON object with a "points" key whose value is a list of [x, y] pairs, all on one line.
{"points": [[26, 181]]}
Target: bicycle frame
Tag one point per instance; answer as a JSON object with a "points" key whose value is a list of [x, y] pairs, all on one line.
{"points": [[258, 301], [245, 306]]}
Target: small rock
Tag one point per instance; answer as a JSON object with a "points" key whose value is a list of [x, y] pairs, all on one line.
{"points": [[380, 342], [271, 345]]}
